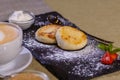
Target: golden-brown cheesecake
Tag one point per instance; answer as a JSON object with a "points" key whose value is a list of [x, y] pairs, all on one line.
{"points": [[70, 38], [46, 34]]}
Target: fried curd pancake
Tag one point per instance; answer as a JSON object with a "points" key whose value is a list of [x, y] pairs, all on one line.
{"points": [[70, 38], [46, 34]]}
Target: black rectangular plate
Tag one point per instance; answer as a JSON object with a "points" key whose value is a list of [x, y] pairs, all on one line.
{"points": [[82, 64]]}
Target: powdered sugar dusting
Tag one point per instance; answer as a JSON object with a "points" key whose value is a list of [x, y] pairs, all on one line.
{"points": [[69, 54], [84, 62], [31, 42]]}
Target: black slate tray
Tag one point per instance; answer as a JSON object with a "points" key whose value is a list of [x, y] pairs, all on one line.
{"points": [[82, 64]]}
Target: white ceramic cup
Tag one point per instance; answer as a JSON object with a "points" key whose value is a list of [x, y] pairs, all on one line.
{"points": [[9, 50]]}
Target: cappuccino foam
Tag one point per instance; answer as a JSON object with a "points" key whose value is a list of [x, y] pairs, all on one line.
{"points": [[7, 33]]}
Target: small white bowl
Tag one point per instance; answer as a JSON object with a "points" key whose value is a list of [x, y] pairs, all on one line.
{"points": [[25, 24]]}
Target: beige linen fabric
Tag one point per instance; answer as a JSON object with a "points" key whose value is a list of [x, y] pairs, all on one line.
{"points": [[8, 6]]}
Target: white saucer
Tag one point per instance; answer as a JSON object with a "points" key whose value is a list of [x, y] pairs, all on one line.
{"points": [[21, 62]]}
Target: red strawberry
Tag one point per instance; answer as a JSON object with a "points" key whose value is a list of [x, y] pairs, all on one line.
{"points": [[107, 59], [114, 56]]}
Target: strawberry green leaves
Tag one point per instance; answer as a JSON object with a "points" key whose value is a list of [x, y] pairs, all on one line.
{"points": [[110, 48], [116, 50]]}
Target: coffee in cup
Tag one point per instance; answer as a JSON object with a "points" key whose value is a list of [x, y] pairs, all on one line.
{"points": [[10, 42], [7, 33]]}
